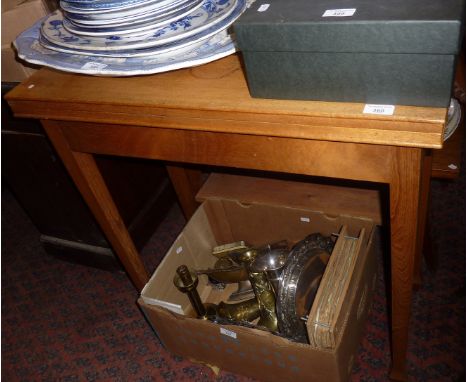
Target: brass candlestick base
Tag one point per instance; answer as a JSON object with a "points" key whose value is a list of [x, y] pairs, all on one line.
{"points": [[186, 281]]}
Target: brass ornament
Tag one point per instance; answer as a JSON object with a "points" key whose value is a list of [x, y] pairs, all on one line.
{"points": [[186, 281], [266, 300], [282, 282], [226, 250], [242, 311]]}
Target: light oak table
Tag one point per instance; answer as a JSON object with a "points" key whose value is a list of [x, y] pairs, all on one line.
{"points": [[205, 115]]}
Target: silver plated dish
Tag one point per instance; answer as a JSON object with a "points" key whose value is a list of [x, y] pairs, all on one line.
{"points": [[299, 284]]}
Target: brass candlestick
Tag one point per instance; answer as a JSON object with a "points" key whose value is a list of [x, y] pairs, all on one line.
{"points": [[186, 281]]}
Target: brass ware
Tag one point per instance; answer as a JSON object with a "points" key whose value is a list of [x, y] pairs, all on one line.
{"points": [[266, 300], [244, 291], [225, 271], [186, 281], [223, 263], [230, 248], [271, 261], [229, 275], [278, 245], [244, 257], [248, 310], [236, 264], [236, 273], [263, 290]]}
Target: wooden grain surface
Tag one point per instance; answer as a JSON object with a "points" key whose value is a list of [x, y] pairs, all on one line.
{"points": [[205, 115], [215, 97], [186, 183], [289, 155], [404, 204], [88, 179], [446, 162]]}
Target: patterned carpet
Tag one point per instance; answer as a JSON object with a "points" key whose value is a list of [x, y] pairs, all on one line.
{"points": [[67, 322]]}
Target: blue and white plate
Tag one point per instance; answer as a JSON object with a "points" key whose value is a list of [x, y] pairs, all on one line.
{"points": [[160, 49], [90, 21], [210, 13], [148, 52], [102, 5], [29, 49], [134, 26], [136, 9], [169, 10]]}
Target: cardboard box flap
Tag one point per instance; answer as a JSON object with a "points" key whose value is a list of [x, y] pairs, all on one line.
{"points": [[380, 26], [328, 199]]}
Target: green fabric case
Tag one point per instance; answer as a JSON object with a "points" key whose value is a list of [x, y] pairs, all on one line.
{"points": [[387, 52]]}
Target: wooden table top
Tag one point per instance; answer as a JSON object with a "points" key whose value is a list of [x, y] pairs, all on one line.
{"points": [[215, 97]]}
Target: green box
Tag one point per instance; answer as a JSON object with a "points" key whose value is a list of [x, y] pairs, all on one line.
{"points": [[373, 51]]}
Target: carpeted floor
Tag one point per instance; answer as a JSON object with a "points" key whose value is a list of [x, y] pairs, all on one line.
{"points": [[67, 322]]}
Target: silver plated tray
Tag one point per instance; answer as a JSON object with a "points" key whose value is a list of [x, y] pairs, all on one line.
{"points": [[299, 284]]}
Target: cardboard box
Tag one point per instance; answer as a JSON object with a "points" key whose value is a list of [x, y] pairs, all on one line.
{"points": [[51, 5], [14, 70], [20, 18], [252, 352], [377, 52], [10, 4], [17, 17]]}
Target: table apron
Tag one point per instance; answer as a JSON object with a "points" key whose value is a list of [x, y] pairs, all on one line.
{"points": [[290, 155]]}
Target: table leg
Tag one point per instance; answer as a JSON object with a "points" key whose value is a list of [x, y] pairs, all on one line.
{"points": [[405, 186], [88, 179], [186, 183], [422, 215]]}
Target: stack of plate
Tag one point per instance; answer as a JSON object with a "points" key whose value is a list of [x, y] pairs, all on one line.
{"points": [[131, 37]]}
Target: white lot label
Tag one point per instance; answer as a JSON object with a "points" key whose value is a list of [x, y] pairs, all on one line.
{"points": [[305, 219], [228, 333], [379, 109], [94, 66], [263, 7], [339, 12]]}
